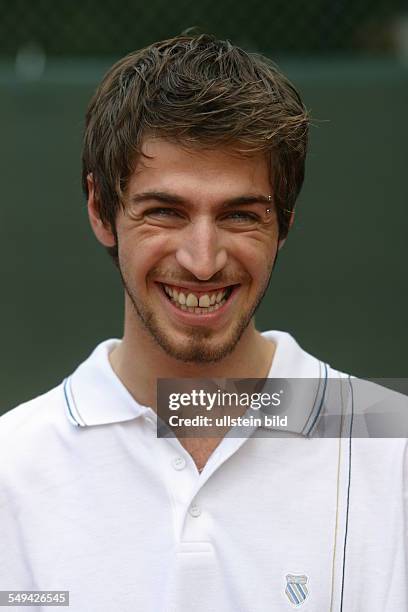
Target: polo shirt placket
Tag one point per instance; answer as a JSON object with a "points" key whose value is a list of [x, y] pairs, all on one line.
{"points": [[195, 564]]}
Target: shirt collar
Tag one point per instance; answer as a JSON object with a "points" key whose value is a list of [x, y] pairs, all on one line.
{"points": [[303, 400], [94, 395]]}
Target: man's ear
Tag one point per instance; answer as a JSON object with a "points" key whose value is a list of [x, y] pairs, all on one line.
{"points": [[291, 221], [102, 232]]}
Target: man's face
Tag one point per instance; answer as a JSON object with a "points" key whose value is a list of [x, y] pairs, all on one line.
{"points": [[196, 247]]}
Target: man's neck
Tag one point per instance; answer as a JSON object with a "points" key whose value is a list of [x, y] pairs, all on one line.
{"points": [[139, 361]]}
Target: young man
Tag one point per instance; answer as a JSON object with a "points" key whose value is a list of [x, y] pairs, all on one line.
{"points": [[193, 159]]}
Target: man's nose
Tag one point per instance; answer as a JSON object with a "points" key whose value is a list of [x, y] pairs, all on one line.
{"points": [[200, 250]]}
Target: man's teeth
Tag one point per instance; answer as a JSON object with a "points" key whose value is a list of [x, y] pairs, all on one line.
{"points": [[193, 303], [204, 301]]}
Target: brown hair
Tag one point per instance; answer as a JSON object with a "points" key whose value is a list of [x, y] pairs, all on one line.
{"points": [[198, 91]]}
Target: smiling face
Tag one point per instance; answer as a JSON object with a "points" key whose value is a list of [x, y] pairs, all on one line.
{"points": [[196, 247]]}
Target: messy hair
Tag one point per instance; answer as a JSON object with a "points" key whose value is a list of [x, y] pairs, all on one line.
{"points": [[200, 92]]}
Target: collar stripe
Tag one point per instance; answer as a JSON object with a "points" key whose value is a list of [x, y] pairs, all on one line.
{"points": [[319, 410], [71, 406]]}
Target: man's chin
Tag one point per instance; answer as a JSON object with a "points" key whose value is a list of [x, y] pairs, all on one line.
{"points": [[198, 350]]}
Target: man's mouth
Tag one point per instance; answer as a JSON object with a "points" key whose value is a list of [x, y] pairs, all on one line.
{"points": [[197, 302]]}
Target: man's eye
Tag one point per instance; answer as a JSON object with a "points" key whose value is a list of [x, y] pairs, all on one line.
{"points": [[162, 212], [243, 216]]}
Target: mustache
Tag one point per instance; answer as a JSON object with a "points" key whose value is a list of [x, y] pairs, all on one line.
{"points": [[217, 279]]}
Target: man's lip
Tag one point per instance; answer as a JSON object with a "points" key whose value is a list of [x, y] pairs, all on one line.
{"points": [[198, 289]]}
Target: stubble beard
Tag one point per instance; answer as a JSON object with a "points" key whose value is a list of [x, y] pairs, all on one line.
{"points": [[197, 348]]}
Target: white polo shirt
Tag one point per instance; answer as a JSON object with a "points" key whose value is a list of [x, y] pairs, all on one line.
{"points": [[92, 502]]}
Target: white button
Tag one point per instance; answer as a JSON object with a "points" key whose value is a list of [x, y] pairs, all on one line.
{"points": [[195, 510], [179, 463]]}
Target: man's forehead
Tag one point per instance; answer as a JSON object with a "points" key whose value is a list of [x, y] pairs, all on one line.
{"points": [[177, 163]]}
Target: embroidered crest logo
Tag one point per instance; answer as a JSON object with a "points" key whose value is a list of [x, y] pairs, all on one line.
{"points": [[296, 589]]}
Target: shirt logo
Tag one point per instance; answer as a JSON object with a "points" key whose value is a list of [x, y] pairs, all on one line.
{"points": [[296, 589]]}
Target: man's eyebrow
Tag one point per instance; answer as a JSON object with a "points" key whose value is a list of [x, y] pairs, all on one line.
{"points": [[172, 198], [249, 199], [160, 196]]}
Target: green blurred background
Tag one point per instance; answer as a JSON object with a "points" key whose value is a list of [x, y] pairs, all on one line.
{"points": [[340, 286]]}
